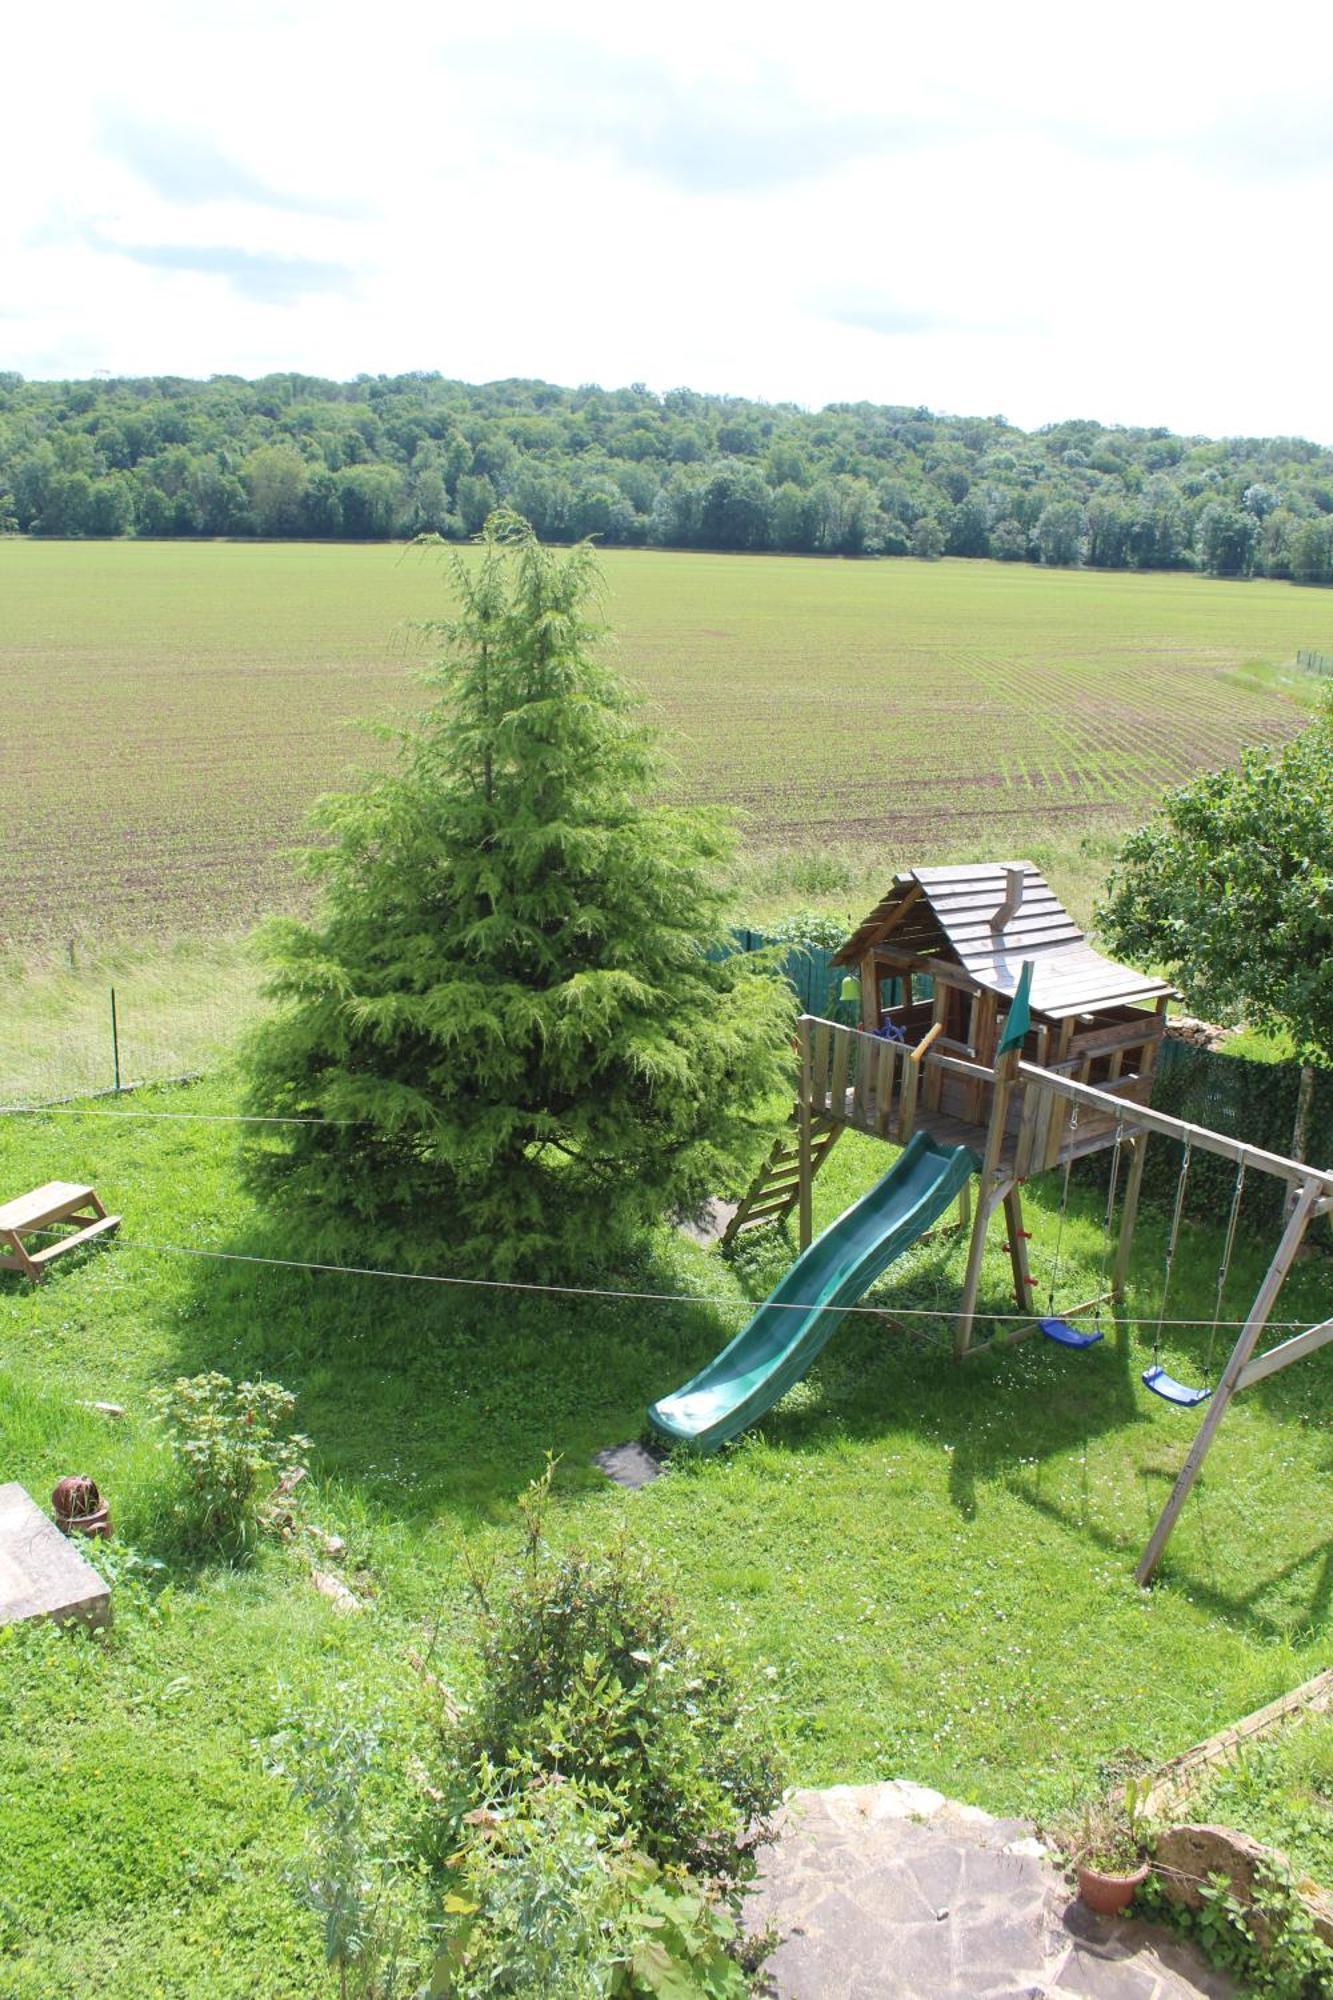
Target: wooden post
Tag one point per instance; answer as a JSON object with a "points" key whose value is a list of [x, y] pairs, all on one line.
{"points": [[1018, 1249], [967, 1305], [115, 1042], [1264, 1301], [1128, 1217], [988, 1197], [869, 993], [805, 1165], [938, 1018]]}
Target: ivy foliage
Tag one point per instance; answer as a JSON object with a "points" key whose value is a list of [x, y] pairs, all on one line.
{"points": [[514, 1015], [1230, 889]]}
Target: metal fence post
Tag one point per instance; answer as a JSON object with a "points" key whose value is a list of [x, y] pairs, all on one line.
{"points": [[115, 1041]]}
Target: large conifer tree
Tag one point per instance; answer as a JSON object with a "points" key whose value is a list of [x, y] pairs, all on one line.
{"points": [[506, 1010]]}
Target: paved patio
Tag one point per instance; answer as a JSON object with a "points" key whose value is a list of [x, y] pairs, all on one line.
{"points": [[893, 1890]]}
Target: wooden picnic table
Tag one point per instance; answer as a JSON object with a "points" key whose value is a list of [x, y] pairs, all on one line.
{"points": [[57, 1203]]}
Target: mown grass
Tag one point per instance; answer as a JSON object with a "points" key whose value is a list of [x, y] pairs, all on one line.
{"points": [[173, 708], [930, 1569]]}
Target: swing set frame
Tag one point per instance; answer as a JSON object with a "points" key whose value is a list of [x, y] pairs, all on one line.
{"points": [[1310, 1195], [1011, 977], [852, 1080]]}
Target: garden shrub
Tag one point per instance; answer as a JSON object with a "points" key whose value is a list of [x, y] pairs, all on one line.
{"points": [[370, 1906], [806, 929], [547, 1901], [1273, 1948], [587, 1671], [231, 1442]]}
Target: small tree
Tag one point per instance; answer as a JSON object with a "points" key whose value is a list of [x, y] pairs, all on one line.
{"points": [[508, 1013], [1230, 889]]}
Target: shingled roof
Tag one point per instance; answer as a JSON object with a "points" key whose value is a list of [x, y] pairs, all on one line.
{"points": [[948, 914]]}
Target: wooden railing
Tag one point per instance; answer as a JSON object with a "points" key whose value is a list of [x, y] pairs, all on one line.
{"points": [[880, 1087], [866, 1080]]}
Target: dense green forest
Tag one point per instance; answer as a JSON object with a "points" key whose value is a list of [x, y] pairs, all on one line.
{"points": [[387, 456]]}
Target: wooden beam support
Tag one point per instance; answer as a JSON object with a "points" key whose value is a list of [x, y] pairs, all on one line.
{"points": [[1029, 1327], [805, 1204], [1264, 1301], [987, 1203], [1142, 1118], [1285, 1353], [1018, 1249], [992, 1191], [869, 993]]}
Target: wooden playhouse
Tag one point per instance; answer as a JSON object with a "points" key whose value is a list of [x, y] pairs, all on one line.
{"points": [[937, 964]]}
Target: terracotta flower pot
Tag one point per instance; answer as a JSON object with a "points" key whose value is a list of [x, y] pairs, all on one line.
{"points": [[1108, 1895], [80, 1508]]}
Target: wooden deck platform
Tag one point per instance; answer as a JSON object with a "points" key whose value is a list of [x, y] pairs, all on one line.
{"points": [[947, 1128]]}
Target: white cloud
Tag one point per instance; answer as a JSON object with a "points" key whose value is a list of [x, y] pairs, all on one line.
{"points": [[1041, 211]]}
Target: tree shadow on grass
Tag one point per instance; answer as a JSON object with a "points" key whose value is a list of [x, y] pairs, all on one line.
{"points": [[436, 1400]]}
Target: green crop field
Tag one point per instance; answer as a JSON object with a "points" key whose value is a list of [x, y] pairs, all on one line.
{"points": [[171, 709]]}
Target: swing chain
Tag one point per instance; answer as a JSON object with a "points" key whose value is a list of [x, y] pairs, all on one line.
{"points": [[1224, 1268], [1112, 1186], [1172, 1239]]}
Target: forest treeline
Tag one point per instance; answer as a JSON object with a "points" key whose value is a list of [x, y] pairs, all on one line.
{"points": [[389, 456]]}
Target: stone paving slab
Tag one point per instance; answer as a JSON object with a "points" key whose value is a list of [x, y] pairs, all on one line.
{"points": [[42, 1575], [710, 1224], [629, 1465], [893, 1892]]}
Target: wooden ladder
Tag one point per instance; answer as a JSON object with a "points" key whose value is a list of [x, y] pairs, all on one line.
{"points": [[776, 1188]]}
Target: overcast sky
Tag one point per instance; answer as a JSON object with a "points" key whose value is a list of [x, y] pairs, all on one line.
{"points": [[1117, 211]]}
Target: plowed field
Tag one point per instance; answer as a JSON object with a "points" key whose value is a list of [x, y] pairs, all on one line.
{"points": [[170, 710]]}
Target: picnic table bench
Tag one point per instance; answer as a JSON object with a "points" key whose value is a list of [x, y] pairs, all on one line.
{"points": [[57, 1202]]}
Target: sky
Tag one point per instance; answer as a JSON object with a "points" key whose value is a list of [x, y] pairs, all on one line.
{"points": [[1032, 211]]}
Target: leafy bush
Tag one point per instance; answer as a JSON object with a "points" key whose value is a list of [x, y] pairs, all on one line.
{"points": [[1272, 1948], [230, 1441], [548, 1902], [587, 1671], [1281, 1792], [806, 928], [372, 1921]]}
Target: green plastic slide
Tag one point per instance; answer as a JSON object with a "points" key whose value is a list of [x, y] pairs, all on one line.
{"points": [[798, 1317]]}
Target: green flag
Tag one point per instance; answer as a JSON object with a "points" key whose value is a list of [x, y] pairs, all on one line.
{"points": [[1020, 1014]]}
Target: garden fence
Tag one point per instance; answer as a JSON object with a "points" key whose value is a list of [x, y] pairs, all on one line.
{"points": [[1314, 663], [74, 1037]]}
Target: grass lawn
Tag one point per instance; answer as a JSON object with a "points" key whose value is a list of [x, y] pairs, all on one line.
{"points": [[930, 1569]]}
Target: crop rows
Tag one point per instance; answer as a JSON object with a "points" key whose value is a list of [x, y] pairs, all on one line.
{"points": [[172, 709]]}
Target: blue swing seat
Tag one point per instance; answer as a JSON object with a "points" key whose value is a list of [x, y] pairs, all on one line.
{"points": [[1171, 1391], [1064, 1335]]}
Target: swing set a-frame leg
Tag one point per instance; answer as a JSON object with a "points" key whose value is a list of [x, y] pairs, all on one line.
{"points": [[988, 1200], [1128, 1216], [1264, 1301], [1018, 1249]]}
